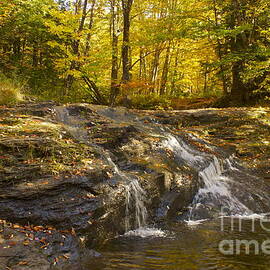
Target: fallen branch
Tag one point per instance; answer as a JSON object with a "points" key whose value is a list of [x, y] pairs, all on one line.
{"points": [[94, 89]]}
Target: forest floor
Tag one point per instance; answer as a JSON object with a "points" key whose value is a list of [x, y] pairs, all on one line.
{"points": [[37, 152], [209, 102], [192, 103]]}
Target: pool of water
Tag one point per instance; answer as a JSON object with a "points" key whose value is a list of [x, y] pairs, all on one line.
{"points": [[188, 247]]}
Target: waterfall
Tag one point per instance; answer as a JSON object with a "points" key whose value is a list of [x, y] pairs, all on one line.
{"points": [[221, 184], [135, 199], [182, 150], [135, 196], [215, 180], [135, 202]]}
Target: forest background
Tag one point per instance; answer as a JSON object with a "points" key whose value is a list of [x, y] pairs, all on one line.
{"points": [[147, 54]]}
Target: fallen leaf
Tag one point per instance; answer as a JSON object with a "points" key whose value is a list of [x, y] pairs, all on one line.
{"points": [[23, 263]]}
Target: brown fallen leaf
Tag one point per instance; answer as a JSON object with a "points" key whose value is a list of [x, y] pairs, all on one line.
{"points": [[26, 243], [23, 263], [73, 232], [38, 228], [11, 243], [44, 246]]}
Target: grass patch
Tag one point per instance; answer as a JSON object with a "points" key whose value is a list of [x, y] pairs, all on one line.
{"points": [[10, 92]]}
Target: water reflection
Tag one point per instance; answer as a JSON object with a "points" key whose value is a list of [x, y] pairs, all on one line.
{"points": [[190, 248]]}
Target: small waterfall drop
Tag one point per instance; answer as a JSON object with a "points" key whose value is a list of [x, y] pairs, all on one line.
{"points": [[135, 196], [214, 193], [135, 202]]}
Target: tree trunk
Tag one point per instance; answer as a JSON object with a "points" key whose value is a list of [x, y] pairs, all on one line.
{"points": [[94, 91], [76, 44], [175, 72], [239, 91], [205, 83], [155, 67], [142, 71], [35, 55], [219, 52], [91, 21], [165, 71], [115, 67], [126, 6], [238, 44]]}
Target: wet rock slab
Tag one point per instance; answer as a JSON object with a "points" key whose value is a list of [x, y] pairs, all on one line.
{"points": [[37, 247]]}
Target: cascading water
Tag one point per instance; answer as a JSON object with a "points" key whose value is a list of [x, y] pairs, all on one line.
{"points": [[135, 202], [215, 181], [221, 180], [135, 196]]}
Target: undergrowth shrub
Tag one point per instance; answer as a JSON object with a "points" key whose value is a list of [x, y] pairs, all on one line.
{"points": [[150, 102], [10, 92], [141, 95]]}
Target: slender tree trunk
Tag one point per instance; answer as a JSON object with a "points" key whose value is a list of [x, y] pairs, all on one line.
{"points": [[175, 72], [154, 69], [205, 85], [220, 56], [142, 71], [165, 71], [76, 44], [91, 22], [35, 55], [126, 6], [17, 48], [115, 66]]}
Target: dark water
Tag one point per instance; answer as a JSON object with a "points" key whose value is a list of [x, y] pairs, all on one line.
{"points": [[188, 248]]}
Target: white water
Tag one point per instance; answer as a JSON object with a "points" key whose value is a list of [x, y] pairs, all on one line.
{"points": [[135, 202], [182, 150], [135, 196], [215, 185], [146, 232], [194, 223]]}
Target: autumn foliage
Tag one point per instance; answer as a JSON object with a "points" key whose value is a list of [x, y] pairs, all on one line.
{"points": [[109, 51]]}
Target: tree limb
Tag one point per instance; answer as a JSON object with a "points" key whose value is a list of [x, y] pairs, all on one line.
{"points": [[138, 60]]}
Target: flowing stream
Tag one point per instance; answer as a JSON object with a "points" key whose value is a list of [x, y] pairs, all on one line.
{"points": [[214, 179], [220, 201], [189, 248], [135, 198], [197, 245]]}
